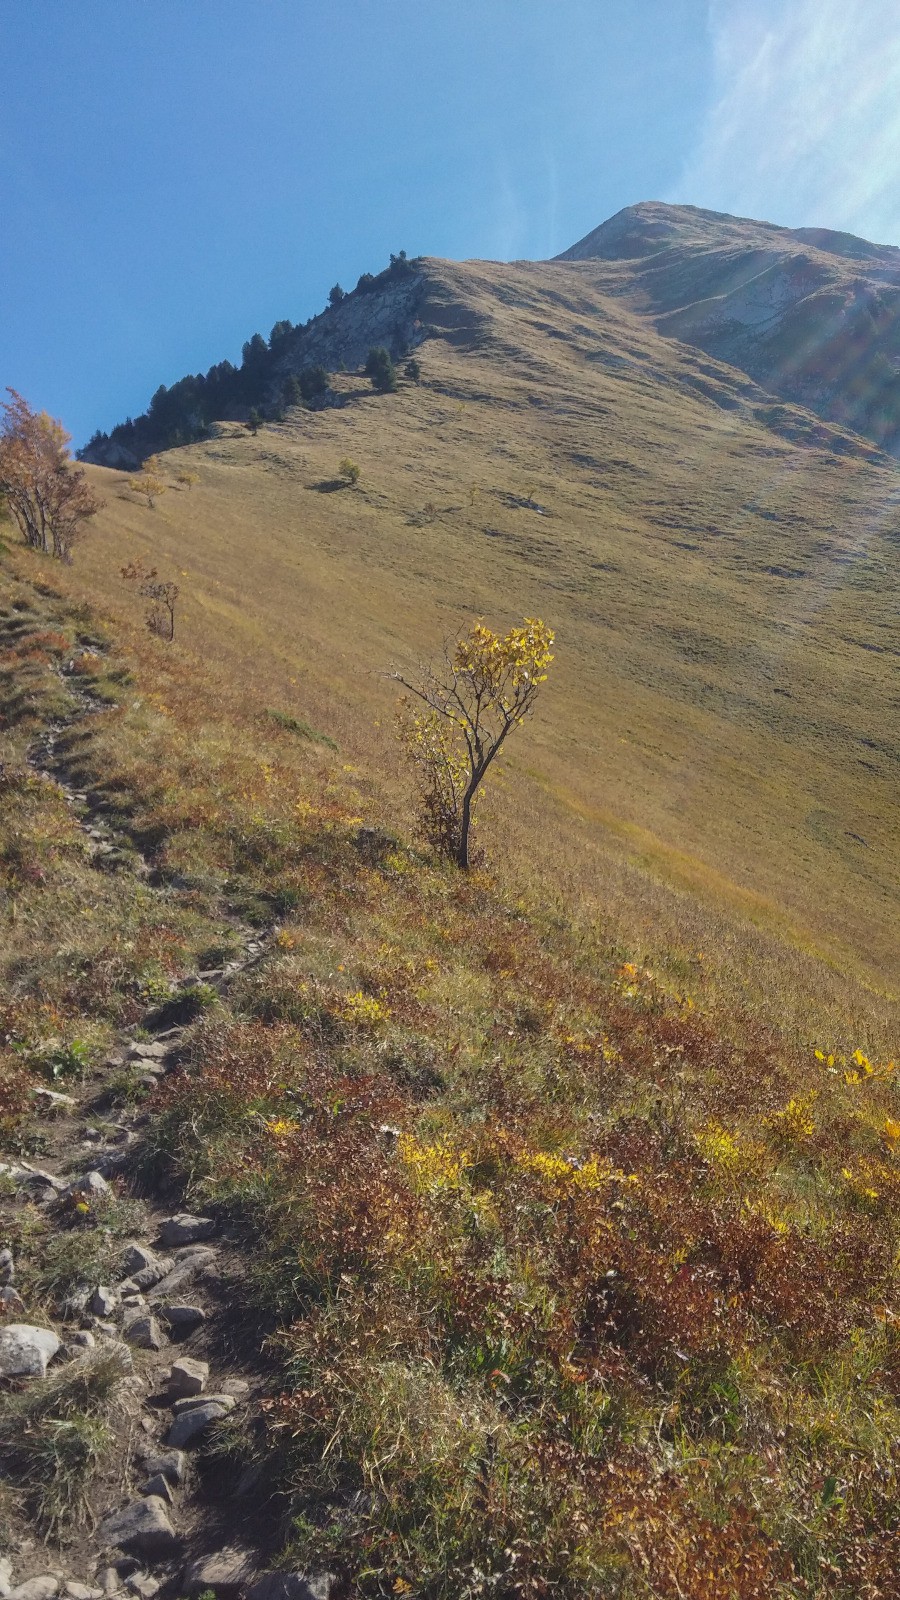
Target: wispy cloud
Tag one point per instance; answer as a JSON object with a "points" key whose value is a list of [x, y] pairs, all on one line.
{"points": [[804, 120]]}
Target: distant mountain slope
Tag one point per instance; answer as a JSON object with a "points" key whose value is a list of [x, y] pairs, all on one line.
{"points": [[812, 315], [721, 568]]}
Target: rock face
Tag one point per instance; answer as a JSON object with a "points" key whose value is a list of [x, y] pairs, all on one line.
{"points": [[26, 1350], [142, 1528], [783, 305]]}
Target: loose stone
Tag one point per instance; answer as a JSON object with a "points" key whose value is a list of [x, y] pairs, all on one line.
{"points": [[142, 1527], [191, 1424], [168, 1462], [185, 1229], [227, 1573], [188, 1377], [25, 1351]]}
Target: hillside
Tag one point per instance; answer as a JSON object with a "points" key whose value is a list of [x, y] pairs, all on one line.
{"points": [[370, 1228], [722, 573]]}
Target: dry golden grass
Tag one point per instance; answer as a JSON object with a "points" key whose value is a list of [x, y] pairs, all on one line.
{"points": [[721, 724]]}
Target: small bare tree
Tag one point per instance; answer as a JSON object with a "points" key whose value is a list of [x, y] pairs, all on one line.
{"points": [[49, 498], [455, 719], [162, 594]]}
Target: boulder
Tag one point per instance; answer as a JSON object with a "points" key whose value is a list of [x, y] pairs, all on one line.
{"points": [[6, 1583], [93, 1186], [188, 1377], [142, 1528], [104, 1301], [36, 1589], [158, 1485], [292, 1586], [192, 1401], [81, 1591], [11, 1301], [142, 1329], [227, 1573], [136, 1257], [141, 1584], [7, 1267], [181, 1320], [168, 1462], [25, 1351], [148, 1049], [185, 1229], [183, 1272], [188, 1427]]}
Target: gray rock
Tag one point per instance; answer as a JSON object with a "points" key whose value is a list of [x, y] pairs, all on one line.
{"points": [[238, 1387], [53, 1098], [168, 1462], [192, 1423], [10, 1300], [192, 1401], [182, 1319], [227, 1573], [143, 1528], [81, 1591], [185, 1229], [83, 1340], [6, 1577], [25, 1351], [141, 1584], [104, 1301], [36, 1589], [7, 1267], [150, 1049], [93, 1186], [188, 1377], [158, 1485], [152, 1274], [292, 1586], [183, 1273], [142, 1329], [136, 1257], [108, 1580]]}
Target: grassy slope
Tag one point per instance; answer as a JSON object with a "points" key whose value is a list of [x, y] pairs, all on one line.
{"points": [[723, 712], [577, 1292]]}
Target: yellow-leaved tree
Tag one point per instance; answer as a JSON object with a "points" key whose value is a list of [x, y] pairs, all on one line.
{"points": [[455, 719]]}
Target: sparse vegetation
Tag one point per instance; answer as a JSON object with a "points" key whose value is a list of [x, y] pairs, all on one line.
{"points": [[55, 1434], [349, 471]]}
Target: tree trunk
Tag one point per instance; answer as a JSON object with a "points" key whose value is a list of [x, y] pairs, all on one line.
{"points": [[465, 824]]}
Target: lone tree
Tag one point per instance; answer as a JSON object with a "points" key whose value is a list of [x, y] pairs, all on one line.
{"points": [[161, 593], [49, 497], [149, 481], [455, 719]]}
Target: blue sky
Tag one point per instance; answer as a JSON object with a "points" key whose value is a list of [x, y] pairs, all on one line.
{"points": [[178, 174]]}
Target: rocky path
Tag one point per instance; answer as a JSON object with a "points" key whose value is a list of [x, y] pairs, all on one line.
{"points": [[163, 1318]]}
